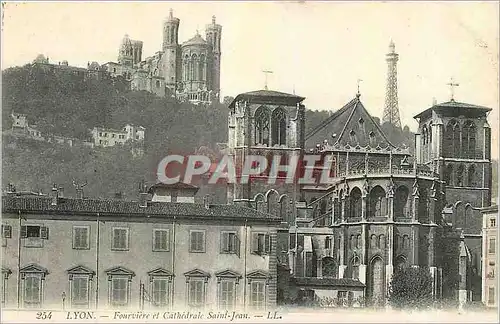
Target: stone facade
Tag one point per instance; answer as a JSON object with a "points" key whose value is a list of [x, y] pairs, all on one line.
{"points": [[130, 255], [383, 209], [189, 71], [489, 258]]}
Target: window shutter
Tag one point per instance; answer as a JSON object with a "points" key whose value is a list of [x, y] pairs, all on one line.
{"points": [[167, 240], [24, 232], [116, 238], [44, 232], [267, 243], [237, 245], [157, 240], [225, 242], [7, 231], [255, 243]]}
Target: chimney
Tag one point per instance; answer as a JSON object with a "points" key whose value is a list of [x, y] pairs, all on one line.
{"points": [[79, 193], [54, 195], [143, 199], [206, 201]]}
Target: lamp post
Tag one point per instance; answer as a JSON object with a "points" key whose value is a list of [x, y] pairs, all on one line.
{"points": [[63, 297]]}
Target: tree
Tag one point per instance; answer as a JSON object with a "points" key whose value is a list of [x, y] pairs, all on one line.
{"points": [[411, 288]]}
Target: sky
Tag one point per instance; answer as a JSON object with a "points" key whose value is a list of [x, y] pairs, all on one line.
{"points": [[316, 49]]}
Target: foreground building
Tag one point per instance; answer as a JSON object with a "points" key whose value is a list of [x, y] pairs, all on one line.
{"points": [[490, 281], [83, 253]]}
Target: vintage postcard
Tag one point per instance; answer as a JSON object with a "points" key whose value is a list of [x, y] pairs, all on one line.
{"points": [[249, 162]]}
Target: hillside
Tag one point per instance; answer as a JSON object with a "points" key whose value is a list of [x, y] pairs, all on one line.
{"points": [[64, 105]]}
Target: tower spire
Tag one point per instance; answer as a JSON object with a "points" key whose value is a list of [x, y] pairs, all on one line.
{"points": [[391, 108], [358, 94]]}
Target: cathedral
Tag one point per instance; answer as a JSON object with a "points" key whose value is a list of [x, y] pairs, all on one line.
{"points": [[189, 71], [384, 208]]}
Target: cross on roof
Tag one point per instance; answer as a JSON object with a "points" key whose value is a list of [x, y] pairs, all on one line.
{"points": [[266, 73], [359, 93], [452, 88]]}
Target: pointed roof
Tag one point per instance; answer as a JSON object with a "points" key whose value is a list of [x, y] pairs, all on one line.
{"points": [[196, 273], [120, 271], [79, 269], [34, 268], [268, 97], [228, 273], [455, 108], [352, 124], [196, 40], [160, 272]]}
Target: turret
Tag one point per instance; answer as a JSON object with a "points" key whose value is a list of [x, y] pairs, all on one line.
{"points": [[125, 55], [213, 35], [171, 51]]}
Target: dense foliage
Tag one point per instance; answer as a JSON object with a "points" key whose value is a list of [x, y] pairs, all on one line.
{"points": [[411, 288]]}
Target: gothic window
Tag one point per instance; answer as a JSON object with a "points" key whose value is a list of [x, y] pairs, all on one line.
{"points": [[406, 241], [358, 241], [329, 267], [460, 215], [202, 68], [355, 202], [354, 268], [373, 241], [452, 138], [459, 179], [401, 202], [186, 67], [468, 215], [448, 172], [381, 241], [262, 126], [469, 140], [471, 176], [378, 202], [278, 125], [352, 243], [430, 134], [194, 67], [399, 263]]}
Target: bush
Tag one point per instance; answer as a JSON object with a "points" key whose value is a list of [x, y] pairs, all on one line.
{"points": [[411, 288]]}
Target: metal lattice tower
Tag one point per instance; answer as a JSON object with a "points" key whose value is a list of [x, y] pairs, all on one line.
{"points": [[391, 109]]}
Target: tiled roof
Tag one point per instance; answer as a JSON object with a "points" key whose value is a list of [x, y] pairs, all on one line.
{"points": [[268, 96], [453, 105], [327, 282], [11, 204], [353, 117], [177, 185], [196, 40]]}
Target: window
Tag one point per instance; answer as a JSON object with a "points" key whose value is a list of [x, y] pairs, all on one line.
{"points": [[5, 276], [113, 135], [32, 277], [80, 291], [342, 294], [257, 295], [6, 233], [262, 126], [261, 243], [161, 240], [160, 292], [230, 243], [120, 239], [79, 283], [328, 243], [279, 127], [119, 292], [34, 235], [100, 133], [493, 222], [491, 248], [491, 295], [226, 294], [197, 241], [81, 237], [196, 296]]}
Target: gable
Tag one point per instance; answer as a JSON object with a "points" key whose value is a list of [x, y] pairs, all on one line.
{"points": [[160, 272], [352, 125], [80, 270], [258, 274], [196, 273], [120, 271], [34, 268], [228, 274]]}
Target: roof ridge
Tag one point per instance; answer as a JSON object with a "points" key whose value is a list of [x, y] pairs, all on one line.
{"points": [[356, 101]]}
